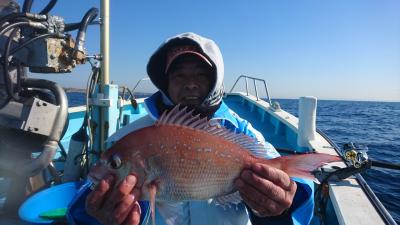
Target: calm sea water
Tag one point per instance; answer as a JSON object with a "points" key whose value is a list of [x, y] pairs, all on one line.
{"points": [[375, 124]]}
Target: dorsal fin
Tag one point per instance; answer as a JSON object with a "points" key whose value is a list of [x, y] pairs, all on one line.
{"points": [[180, 117]]}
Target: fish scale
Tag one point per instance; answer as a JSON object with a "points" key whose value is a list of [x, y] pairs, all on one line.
{"points": [[190, 171], [183, 158]]}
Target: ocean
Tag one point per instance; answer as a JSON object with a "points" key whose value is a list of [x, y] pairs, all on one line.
{"points": [[375, 124]]}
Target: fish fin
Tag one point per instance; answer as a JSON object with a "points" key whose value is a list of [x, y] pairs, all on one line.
{"points": [[180, 117], [301, 165], [227, 200], [153, 191]]}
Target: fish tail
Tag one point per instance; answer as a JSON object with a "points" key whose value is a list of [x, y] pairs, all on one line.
{"points": [[300, 165]]}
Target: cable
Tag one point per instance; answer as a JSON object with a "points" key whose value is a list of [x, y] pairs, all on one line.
{"points": [[74, 26], [9, 27], [71, 26], [90, 15], [11, 16], [48, 7], [27, 6], [90, 88]]}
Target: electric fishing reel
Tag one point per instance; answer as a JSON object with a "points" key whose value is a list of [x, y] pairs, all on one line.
{"points": [[355, 154], [356, 159], [35, 110]]}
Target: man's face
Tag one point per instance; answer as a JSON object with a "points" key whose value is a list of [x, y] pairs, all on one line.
{"points": [[189, 81]]}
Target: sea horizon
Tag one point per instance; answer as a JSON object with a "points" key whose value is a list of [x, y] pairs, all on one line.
{"points": [[80, 90]]}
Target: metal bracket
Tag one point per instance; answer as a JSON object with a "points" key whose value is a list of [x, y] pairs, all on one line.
{"points": [[34, 115], [100, 102]]}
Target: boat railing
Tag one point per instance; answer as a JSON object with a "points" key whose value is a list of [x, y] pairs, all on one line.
{"points": [[246, 78], [139, 81]]}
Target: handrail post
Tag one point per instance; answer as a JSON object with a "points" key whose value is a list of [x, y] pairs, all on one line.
{"points": [[137, 84], [266, 90], [247, 89], [235, 83], [255, 88]]}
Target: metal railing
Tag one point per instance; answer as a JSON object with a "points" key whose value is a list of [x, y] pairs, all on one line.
{"points": [[255, 86], [137, 84]]}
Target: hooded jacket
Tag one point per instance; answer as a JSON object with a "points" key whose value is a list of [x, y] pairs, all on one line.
{"points": [[208, 48]]}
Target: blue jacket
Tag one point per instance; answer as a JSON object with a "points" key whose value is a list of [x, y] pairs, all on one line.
{"points": [[206, 212]]}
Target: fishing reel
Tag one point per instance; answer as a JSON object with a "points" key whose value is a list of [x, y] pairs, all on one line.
{"points": [[356, 159], [355, 154]]}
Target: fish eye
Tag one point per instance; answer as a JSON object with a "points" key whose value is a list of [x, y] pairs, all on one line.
{"points": [[115, 162]]}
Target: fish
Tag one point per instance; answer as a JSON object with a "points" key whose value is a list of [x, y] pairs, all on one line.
{"points": [[183, 157]]}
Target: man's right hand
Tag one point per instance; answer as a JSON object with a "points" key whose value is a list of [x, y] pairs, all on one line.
{"points": [[112, 203]]}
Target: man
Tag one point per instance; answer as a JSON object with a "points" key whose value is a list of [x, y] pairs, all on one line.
{"points": [[188, 70]]}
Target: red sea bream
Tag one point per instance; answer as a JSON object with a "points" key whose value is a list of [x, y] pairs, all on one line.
{"points": [[182, 157]]}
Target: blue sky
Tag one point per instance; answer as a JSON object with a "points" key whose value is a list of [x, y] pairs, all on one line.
{"points": [[344, 49]]}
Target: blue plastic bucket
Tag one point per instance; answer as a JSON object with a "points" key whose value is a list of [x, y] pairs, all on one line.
{"points": [[55, 197]]}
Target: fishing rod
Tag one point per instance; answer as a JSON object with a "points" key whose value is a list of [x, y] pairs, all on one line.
{"points": [[373, 162], [386, 165]]}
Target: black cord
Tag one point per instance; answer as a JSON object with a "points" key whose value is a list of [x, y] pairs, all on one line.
{"points": [[10, 17], [9, 27], [48, 7], [72, 26], [27, 6], [90, 15], [320, 200], [90, 90]]}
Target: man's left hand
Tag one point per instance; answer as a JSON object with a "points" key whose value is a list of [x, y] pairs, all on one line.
{"points": [[266, 190]]}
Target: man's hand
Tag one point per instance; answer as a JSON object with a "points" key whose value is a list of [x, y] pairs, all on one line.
{"points": [[266, 190], [113, 203]]}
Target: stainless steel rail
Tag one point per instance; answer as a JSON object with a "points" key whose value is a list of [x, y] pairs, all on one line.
{"points": [[137, 84], [255, 86]]}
